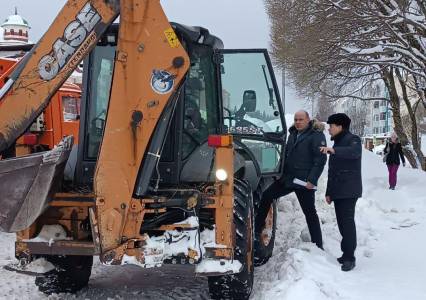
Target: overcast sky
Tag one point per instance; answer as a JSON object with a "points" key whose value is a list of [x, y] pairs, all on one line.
{"points": [[239, 23]]}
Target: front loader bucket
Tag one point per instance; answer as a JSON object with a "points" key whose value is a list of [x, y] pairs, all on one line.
{"points": [[27, 184]]}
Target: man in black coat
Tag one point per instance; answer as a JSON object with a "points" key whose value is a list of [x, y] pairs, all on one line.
{"points": [[344, 185], [303, 161]]}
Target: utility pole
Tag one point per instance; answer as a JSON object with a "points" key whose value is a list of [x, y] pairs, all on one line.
{"points": [[283, 88]]}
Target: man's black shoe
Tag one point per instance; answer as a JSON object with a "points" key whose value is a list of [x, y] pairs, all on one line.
{"points": [[340, 260], [348, 265]]}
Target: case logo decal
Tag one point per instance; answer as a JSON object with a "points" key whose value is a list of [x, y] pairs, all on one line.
{"points": [[162, 82]]}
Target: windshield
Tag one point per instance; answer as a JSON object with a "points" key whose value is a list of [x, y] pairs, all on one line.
{"points": [[99, 89], [201, 109]]}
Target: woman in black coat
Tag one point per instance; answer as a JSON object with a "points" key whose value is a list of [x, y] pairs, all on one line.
{"points": [[393, 151]]}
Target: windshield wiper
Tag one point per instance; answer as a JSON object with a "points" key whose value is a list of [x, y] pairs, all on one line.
{"points": [[274, 136], [270, 90]]}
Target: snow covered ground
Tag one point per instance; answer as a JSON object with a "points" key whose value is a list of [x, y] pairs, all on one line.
{"points": [[391, 244], [390, 256]]}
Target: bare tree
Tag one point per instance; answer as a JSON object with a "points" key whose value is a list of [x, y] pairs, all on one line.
{"points": [[324, 108]]}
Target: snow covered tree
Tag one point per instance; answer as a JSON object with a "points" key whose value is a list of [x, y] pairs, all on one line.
{"points": [[324, 108], [343, 48]]}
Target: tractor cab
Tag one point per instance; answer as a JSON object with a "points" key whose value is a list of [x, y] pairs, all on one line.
{"points": [[225, 92]]}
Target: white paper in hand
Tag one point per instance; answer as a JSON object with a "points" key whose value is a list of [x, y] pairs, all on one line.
{"points": [[302, 183]]}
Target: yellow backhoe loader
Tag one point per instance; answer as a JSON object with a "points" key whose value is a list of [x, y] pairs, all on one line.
{"points": [[178, 140]]}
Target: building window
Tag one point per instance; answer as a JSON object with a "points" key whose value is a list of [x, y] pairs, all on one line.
{"points": [[376, 104], [376, 117], [20, 32], [12, 32], [383, 116], [383, 103]]}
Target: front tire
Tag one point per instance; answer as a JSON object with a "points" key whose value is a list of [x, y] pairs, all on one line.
{"points": [[240, 285], [265, 239], [72, 273]]}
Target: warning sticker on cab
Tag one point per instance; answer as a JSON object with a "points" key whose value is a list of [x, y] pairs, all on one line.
{"points": [[172, 38]]}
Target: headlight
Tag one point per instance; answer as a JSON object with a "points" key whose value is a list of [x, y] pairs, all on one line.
{"points": [[221, 175]]}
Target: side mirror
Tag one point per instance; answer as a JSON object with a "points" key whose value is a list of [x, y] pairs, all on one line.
{"points": [[249, 101]]}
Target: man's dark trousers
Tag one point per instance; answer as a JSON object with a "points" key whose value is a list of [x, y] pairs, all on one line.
{"points": [[307, 203], [345, 215]]}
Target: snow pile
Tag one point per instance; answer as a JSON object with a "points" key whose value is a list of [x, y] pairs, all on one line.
{"points": [[208, 239], [214, 266], [39, 266], [391, 244], [379, 149], [50, 234], [171, 244], [36, 267], [175, 244]]}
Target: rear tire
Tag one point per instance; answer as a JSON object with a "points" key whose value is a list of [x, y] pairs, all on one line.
{"points": [[265, 239], [239, 286], [72, 273]]}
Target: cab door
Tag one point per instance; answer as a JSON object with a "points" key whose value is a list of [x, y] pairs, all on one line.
{"points": [[251, 106]]}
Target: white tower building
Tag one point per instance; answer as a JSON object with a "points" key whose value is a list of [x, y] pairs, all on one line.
{"points": [[15, 29]]}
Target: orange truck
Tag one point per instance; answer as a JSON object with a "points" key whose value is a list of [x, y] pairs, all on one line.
{"points": [[59, 119]]}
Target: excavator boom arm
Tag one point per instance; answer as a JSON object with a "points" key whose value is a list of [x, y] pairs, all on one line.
{"points": [[150, 65], [44, 69]]}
